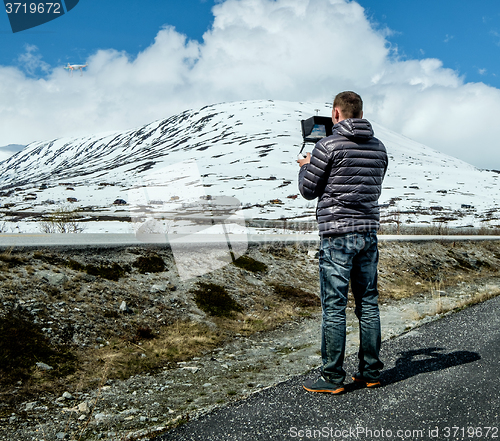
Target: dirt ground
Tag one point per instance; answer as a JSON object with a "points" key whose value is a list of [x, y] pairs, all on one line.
{"points": [[110, 343]]}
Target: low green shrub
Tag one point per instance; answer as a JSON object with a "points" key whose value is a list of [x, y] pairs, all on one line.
{"points": [[149, 264], [297, 295], [215, 300], [22, 345], [250, 264]]}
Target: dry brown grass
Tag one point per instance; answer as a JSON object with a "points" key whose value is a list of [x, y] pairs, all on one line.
{"points": [[479, 297], [124, 358], [443, 307], [180, 341], [420, 267], [262, 320]]}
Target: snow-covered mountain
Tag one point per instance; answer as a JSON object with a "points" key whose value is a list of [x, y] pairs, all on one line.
{"points": [[7, 151], [243, 150]]}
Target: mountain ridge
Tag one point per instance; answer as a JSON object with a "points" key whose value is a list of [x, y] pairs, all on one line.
{"points": [[245, 150]]}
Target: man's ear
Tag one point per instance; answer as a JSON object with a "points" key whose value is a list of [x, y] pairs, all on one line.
{"points": [[335, 115]]}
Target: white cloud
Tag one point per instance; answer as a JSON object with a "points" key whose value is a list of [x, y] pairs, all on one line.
{"points": [[31, 60], [494, 33], [294, 50]]}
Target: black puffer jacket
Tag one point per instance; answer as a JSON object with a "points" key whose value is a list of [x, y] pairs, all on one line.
{"points": [[346, 173]]}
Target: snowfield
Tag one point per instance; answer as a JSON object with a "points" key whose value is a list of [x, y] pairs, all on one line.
{"points": [[233, 159]]}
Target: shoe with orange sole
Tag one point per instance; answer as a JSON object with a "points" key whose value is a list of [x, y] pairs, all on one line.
{"points": [[357, 378], [324, 386]]}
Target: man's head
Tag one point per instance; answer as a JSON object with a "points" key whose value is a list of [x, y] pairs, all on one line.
{"points": [[347, 105]]}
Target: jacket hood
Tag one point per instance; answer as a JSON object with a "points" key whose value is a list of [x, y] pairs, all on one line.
{"points": [[354, 128]]}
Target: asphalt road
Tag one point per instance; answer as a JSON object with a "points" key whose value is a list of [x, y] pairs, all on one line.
{"points": [[440, 382], [32, 240]]}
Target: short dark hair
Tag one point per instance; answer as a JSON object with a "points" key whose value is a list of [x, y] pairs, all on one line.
{"points": [[349, 103]]}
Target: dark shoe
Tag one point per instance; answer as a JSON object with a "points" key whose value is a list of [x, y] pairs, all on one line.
{"points": [[358, 378], [324, 386]]}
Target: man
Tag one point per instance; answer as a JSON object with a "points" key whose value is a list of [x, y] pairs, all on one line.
{"points": [[345, 172]]}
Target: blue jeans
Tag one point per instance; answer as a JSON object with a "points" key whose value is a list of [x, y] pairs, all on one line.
{"points": [[354, 257]]}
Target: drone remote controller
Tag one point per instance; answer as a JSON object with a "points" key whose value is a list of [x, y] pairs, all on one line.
{"points": [[301, 154]]}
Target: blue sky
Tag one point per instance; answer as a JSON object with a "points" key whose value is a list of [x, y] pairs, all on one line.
{"points": [[421, 66], [461, 34], [124, 25], [464, 35]]}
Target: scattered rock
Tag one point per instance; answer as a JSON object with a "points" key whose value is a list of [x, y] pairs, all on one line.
{"points": [[52, 278], [30, 406], [83, 407], [101, 416], [43, 366], [192, 369], [124, 308], [157, 288]]}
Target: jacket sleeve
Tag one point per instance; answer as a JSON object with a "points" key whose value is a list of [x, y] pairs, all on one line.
{"points": [[313, 177]]}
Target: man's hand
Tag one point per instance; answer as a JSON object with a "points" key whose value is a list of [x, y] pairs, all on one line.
{"points": [[306, 160]]}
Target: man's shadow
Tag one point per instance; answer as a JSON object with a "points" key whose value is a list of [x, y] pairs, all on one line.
{"points": [[419, 361]]}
